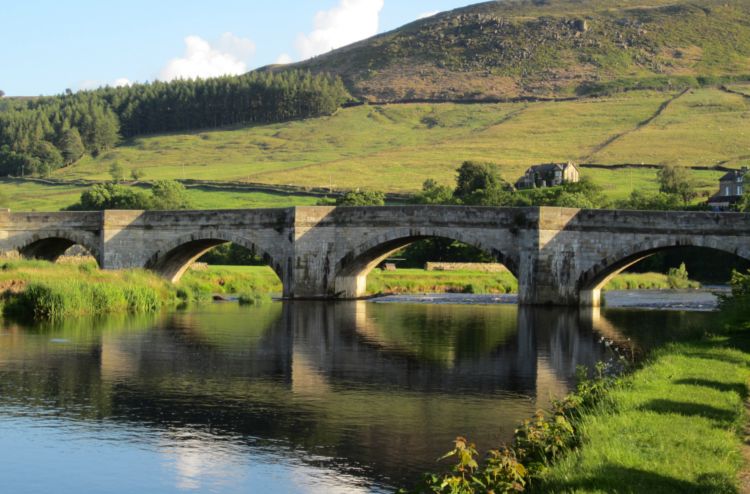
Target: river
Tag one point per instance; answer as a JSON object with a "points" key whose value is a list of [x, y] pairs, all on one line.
{"points": [[303, 397]]}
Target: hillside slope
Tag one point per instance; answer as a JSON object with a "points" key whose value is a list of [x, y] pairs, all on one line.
{"points": [[396, 147], [543, 48]]}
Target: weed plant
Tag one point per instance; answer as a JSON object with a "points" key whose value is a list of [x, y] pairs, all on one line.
{"points": [[254, 298]]}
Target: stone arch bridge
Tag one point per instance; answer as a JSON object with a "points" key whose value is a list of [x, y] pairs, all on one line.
{"points": [[560, 256]]}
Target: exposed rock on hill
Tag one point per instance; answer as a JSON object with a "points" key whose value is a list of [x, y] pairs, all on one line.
{"points": [[542, 48]]}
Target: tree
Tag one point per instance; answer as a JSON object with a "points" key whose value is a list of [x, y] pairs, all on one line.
{"points": [[137, 173], [325, 201], [2, 93], [429, 184], [475, 175], [112, 196], [116, 171], [677, 180], [169, 194], [651, 201], [493, 196], [361, 198], [71, 145], [439, 194]]}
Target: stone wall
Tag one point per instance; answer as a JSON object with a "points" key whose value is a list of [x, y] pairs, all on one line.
{"points": [[485, 267]]}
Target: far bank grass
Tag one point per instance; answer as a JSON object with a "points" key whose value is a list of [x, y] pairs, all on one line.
{"points": [[675, 425], [238, 279]]}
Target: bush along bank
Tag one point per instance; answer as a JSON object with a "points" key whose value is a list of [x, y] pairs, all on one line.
{"points": [[537, 444], [44, 289], [674, 422]]}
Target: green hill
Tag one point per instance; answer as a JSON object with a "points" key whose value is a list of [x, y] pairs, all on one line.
{"points": [[547, 48], [396, 147], [595, 82]]}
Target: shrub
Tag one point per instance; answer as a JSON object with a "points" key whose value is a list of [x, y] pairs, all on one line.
{"points": [[142, 298], [88, 268], [254, 298], [185, 293], [204, 297], [475, 288], [677, 276]]}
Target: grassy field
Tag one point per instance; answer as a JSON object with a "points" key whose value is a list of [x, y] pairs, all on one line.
{"points": [[396, 147], [33, 196], [676, 425]]}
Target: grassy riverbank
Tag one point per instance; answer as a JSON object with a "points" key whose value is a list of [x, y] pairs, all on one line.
{"points": [[421, 281], [45, 289], [236, 279], [635, 281], [675, 425]]}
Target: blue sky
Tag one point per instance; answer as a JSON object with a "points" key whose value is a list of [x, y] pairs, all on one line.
{"points": [[50, 46]]}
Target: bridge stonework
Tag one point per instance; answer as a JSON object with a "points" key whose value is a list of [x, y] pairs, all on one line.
{"points": [[560, 256]]}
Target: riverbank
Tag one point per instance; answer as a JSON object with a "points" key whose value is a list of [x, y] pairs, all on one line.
{"points": [[44, 289], [675, 425], [235, 279]]}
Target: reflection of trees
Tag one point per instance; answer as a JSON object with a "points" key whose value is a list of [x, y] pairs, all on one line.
{"points": [[382, 385]]}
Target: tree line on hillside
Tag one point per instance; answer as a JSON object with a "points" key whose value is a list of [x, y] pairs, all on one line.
{"points": [[43, 134]]}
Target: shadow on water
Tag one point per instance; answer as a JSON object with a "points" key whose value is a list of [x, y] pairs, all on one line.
{"points": [[374, 392]]}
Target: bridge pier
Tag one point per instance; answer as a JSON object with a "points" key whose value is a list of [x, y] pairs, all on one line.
{"points": [[560, 256]]}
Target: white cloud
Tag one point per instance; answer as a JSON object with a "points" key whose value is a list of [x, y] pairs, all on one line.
{"points": [[226, 55], [351, 21], [427, 14], [122, 82], [242, 49], [284, 58], [87, 85]]}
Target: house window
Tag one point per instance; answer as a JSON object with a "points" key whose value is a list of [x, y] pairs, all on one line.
{"points": [[726, 191], [739, 179], [739, 190]]}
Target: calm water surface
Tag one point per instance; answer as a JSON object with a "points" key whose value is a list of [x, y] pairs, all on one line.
{"points": [[311, 397]]}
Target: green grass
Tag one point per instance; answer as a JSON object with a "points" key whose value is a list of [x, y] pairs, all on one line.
{"points": [[421, 281], [676, 425], [233, 279], [396, 147], [635, 281], [43, 289], [33, 196]]}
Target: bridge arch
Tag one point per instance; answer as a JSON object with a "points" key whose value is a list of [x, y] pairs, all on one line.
{"points": [[49, 245], [594, 279], [174, 258], [350, 273]]}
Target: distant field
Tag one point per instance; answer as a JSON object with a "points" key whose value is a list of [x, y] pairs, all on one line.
{"points": [[30, 196], [396, 147]]}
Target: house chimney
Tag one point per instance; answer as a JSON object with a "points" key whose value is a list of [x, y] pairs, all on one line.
{"points": [[743, 169]]}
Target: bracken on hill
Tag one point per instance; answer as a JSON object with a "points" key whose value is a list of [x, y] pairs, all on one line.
{"points": [[545, 48]]}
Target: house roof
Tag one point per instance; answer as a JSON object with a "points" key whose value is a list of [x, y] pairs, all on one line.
{"points": [[730, 176], [547, 167]]}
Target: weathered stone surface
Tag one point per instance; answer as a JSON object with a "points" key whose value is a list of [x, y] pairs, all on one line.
{"points": [[560, 256]]}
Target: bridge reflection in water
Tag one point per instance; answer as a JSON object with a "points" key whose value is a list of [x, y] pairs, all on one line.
{"points": [[370, 392]]}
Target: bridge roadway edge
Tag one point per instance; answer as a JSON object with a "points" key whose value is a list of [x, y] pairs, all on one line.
{"points": [[560, 256]]}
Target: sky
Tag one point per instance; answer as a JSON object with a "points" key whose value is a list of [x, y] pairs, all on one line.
{"points": [[49, 46]]}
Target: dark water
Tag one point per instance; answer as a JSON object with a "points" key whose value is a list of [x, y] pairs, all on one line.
{"points": [[293, 398]]}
